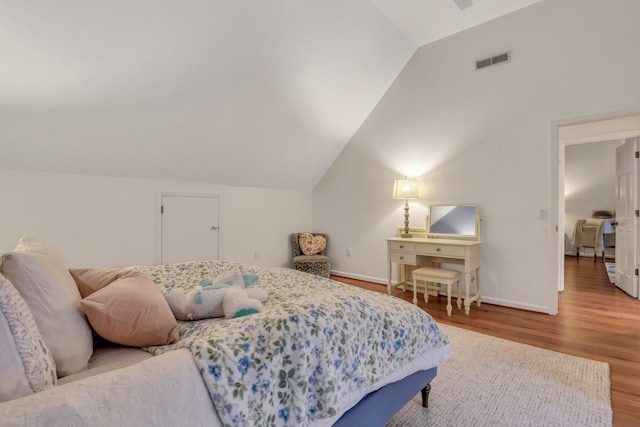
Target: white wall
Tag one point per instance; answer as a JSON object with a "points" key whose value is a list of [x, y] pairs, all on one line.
{"points": [[483, 137], [100, 221], [590, 184]]}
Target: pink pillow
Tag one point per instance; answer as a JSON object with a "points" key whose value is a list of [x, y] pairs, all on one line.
{"points": [[310, 244], [131, 311], [90, 280]]}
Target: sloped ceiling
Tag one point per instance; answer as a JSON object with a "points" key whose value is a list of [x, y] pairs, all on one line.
{"points": [[425, 21], [259, 93]]}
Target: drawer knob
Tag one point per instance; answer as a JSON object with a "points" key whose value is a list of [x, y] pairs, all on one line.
{"points": [[401, 257], [401, 246], [438, 249]]}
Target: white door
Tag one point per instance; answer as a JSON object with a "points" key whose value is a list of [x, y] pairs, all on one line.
{"points": [[626, 216], [190, 228]]}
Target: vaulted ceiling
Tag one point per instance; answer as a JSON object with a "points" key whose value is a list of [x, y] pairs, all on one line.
{"points": [[261, 93]]}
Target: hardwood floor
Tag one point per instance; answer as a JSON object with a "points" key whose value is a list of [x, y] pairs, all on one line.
{"points": [[596, 320]]}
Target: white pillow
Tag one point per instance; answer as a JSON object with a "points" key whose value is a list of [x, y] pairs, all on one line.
{"points": [[42, 277], [25, 361]]}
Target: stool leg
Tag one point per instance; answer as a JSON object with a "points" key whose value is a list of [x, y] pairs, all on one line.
{"points": [[459, 301], [449, 308], [415, 291]]}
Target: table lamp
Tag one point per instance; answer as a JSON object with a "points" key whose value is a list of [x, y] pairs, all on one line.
{"points": [[406, 189]]}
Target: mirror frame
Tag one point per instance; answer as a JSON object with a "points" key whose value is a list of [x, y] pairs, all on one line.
{"points": [[475, 236]]}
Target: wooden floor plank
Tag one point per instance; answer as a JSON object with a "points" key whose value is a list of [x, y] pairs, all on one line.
{"points": [[595, 320]]}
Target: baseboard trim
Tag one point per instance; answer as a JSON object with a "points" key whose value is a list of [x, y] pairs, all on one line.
{"points": [[359, 277], [488, 300], [516, 304]]}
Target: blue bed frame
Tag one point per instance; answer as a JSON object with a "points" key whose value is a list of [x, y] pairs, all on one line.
{"points": [[376, 408]]}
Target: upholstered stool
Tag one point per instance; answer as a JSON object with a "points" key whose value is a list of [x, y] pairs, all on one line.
{"points": [[318, 264], [434, 278]]}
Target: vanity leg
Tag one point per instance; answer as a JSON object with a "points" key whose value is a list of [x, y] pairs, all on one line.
{"points": [[425, 395], [467, 300], [478, 290]]}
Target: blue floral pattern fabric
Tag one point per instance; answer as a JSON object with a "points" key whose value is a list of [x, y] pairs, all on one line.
{"points": [[316, 341]]}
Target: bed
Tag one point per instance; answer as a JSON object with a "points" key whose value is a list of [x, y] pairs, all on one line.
{"points": [[318, 353], [318, 349]]}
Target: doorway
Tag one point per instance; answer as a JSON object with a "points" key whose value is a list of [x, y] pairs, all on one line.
{"points": [[576, 131], [589, 192]]}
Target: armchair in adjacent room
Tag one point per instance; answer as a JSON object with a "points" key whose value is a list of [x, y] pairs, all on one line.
{"points": [[308, 253]]}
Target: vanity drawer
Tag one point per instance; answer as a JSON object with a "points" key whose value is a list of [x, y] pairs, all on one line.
{"points": [[403, 258], [403, 246], [443, 250]]}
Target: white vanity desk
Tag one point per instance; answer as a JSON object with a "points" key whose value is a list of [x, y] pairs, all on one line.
{"points": [[421, 250]]}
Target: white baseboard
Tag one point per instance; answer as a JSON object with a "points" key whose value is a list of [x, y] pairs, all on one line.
{"points": [[359, 277], [489, 300], [515, 304]]}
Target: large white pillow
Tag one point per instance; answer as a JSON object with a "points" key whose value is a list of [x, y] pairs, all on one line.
{"points": [[25, 361], [42, 277]]}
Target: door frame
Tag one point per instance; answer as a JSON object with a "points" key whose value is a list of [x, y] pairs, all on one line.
{"points": [[158, 207], [556, 183]]}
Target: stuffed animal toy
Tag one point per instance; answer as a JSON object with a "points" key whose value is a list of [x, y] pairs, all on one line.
{"points": [[229, 295]]}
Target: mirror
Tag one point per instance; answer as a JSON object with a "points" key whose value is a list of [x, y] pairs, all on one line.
{"points": [[453, 221]]}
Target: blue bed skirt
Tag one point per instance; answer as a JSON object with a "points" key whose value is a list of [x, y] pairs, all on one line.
{"points": [[376, 408]]}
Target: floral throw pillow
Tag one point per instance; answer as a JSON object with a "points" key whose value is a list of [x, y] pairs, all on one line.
{"points": [[312, 245], [25, 361]]}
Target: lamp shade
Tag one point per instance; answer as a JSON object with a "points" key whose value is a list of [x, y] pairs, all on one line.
{"points": [[406, 189]]}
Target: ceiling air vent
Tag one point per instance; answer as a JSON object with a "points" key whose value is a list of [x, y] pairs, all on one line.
{"points": [[503, 57]]}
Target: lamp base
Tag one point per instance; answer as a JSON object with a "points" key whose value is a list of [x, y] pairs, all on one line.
{"points": [[406, 236]]}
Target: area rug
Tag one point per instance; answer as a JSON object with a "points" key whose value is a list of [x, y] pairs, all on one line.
{"points": [[495, 382], [611, 271]]}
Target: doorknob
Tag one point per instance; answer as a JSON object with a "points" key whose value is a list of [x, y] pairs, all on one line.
{"points": [[214, 227]]}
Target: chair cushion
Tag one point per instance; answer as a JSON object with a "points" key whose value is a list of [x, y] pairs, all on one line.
{"points": [[310, 259], [436, 273]]}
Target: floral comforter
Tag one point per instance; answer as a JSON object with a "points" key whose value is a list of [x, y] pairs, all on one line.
{"points": [[315, 343]]}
